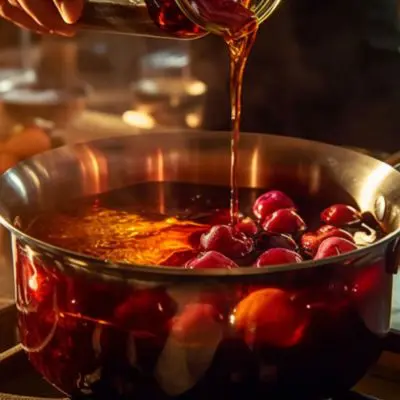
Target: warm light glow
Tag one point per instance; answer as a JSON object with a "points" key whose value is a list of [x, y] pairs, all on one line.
{"points": [[196, 88], [139, 119], [160, 178], [254, 169], [33, 282], [193, 120], [94, 169]]}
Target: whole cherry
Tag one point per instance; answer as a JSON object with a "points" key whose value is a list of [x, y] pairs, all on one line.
{"points": [[310, 241], [146, 312], [224, 239], [210, 259], [271, 317], [284, 221], [270, 202], [341, 215], [247, 226], [265, 241], [334, 246], [278, 256]]}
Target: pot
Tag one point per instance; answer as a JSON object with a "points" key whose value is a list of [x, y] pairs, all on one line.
{"points": [[109, 331]]}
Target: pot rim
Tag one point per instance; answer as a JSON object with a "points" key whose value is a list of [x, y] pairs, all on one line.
{"points": [[84, 261]]}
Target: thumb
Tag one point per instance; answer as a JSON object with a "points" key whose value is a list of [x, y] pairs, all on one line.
{"points": [[70, 10]]}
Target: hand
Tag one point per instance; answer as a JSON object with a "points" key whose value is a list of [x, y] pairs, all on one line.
{"points": [[43, 16]]}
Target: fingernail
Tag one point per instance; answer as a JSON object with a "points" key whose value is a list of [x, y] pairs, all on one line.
{"points": [[71, 10]]}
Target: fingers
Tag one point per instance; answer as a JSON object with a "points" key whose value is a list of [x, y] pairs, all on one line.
{"points": [[46, 15], [19, 17], [42, 16], [70, 10]]}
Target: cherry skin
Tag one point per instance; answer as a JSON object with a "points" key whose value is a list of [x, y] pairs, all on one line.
{"points": [[270, 202], [278, 256], [284, 221], [225, 240], [270, 317], [247, 226], [341, 215], [210, 259], [147, 311], [334, 246], [265, 241], [310, 241]]}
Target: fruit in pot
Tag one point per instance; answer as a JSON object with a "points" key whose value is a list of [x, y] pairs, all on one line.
{"points": [[270, 317], [341, 215], [284, 221], [270, 202], [310, 241], [247, 226], [224, 239], [278, 256], [210, 259], [334, 246], [265, 241]]}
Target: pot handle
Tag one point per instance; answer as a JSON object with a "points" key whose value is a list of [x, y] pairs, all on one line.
{"points": [[394, 160], [392, 341], [393, 251]]}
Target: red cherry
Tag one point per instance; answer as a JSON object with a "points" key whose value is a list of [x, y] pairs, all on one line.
{"points": [[310, 241], [334, 246], [211, 259], [284, 221], [270, 316], [179, 258], [278, 256], [247, 226], [270, 202], [340, 215], [224, 239], [265, 241], [146, 312]]}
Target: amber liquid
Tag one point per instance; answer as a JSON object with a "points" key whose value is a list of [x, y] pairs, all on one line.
{"points": [[239, 50], [155, 18], [234, 21], [239, 27]]}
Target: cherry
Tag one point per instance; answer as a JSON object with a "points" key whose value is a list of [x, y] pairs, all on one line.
{"points": [[147, 312], [210, 259], [179, 258], [341, 215], [224, 239], [270, 202], [270, 316], [284, 221], [278, 256], [334, 246], [267, 240], [310, 241], [247, 226]]}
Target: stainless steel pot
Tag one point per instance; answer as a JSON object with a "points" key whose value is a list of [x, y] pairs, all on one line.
{"points": [[119, 331]]}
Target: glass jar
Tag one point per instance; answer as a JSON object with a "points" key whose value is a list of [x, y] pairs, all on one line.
{"points": [[183, 19]]}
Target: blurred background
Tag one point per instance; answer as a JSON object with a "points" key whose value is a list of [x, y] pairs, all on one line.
{"points": [[323, 70]]}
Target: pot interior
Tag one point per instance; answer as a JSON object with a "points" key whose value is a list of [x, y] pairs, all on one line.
{"points": [[299, 167]]}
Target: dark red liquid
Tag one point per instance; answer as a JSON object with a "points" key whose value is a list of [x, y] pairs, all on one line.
{"points": [[156, 18], [300, 334]]}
